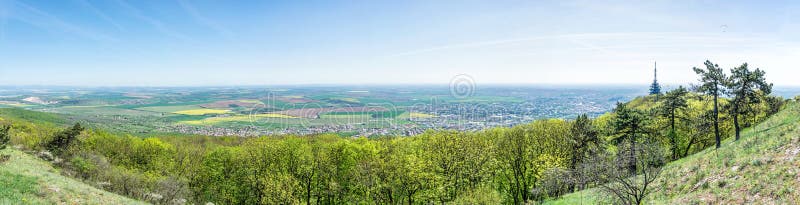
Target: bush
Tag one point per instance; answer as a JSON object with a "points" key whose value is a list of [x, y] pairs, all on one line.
{"points": [[4, 136], [4, 139], [82, 166], [480, 195], [555, 182], [61, 140]]}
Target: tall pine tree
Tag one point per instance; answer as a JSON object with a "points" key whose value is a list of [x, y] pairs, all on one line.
{"points": [[746, 87], [712, 82], [674, 101]]}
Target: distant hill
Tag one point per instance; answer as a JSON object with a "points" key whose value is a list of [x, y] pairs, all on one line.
{"points": [[26, 179], [763, 167]]}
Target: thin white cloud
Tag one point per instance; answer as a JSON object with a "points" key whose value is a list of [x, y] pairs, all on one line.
{"points": [[3, 13], [44, 20], [160, 26], [100, 14], [203, 20], [467, 45], [586, 41]]}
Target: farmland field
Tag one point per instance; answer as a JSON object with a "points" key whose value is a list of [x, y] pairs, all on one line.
{"points": [[238, 118], [367, 111], [169, 109], [102, 110], [420, 115], [202, 111]]}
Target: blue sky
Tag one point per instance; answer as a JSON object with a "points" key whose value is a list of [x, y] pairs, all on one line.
{"points": [[182, 42]]}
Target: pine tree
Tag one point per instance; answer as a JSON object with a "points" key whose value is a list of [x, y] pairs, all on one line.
{"points": [[584, 138], [674, 101], [746, 87], [629, 123], [712, 82], [62, 140]]}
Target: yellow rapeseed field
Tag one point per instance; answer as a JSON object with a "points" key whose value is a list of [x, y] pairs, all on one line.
{"points": [[421, 115], [241, 118], [201, 111]]}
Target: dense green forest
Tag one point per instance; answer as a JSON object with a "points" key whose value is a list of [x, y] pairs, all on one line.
{"points": [[526, 163]]}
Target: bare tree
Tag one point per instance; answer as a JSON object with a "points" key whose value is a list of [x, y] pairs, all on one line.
{"points": [[626, 187]]}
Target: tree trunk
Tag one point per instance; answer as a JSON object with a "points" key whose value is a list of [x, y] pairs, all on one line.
{"points": [[689, 146], [716, 122], [632, 163], [736, 120], [674, 135], [308, 192]]}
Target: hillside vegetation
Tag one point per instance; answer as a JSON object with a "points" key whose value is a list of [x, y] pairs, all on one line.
{"points": [[763, 167], [437, 166], [25, 179], [643, 150]]}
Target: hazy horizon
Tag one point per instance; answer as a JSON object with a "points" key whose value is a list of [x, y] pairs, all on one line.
{"points": [[206, 43]]}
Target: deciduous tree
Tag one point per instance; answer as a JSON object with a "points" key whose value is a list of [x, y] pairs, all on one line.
{"points": [[631, 188]]}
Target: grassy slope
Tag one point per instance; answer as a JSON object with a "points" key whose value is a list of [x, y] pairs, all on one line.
{"points": [[25, 179], [763, 167]]}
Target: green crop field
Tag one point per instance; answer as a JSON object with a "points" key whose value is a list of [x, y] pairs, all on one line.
{"points": [[169, 109], [102, 110]]}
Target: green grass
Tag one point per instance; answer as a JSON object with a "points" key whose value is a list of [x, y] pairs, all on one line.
{"points": [[17, 114], [25, 179], [763, 167], [179, 117], [18, 188], [101, 110], [581, 197]]}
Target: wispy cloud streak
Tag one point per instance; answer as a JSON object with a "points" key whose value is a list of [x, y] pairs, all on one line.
{"points": [[160, 26], [44, 20], [3, 13], [100, 14], [585, 41], [203, 20]]}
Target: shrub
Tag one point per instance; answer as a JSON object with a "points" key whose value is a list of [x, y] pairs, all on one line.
{"points": [[756, 162], [4, 139], [555, 182], [4, 136], [480, 195], [61, 140], [82, 166]]}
